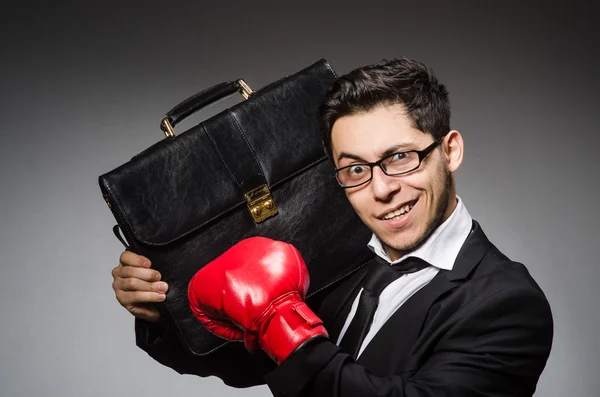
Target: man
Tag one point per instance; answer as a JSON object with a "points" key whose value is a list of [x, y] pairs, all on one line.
{"points": [[464, 320]]}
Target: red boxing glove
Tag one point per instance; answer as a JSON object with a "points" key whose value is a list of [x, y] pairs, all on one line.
{"points": [[255, 292]]}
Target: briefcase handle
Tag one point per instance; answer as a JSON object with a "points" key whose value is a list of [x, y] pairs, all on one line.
{"points": [[201, 100]]}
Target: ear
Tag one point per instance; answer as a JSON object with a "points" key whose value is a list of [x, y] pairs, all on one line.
{"points": [[453, 150]]}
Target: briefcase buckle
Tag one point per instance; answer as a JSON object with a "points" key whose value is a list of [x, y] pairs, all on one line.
{"points": [[260, 203]]}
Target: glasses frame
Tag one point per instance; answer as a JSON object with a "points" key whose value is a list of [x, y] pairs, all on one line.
{"points": [[421, 153]]}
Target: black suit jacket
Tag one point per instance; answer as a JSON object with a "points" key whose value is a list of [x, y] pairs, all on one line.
{"points": [[482, 329]]}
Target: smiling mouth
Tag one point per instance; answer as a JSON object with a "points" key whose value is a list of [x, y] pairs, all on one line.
{"points": [[400, 211]]}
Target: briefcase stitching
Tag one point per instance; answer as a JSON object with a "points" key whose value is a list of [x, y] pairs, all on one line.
{"points": [[214, 143], [241, 130]]}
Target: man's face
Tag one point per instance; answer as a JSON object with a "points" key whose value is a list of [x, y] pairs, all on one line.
{"points": [[401, 210]]}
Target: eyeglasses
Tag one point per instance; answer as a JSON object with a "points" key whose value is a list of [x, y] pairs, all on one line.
{"points": [[395, 164]]}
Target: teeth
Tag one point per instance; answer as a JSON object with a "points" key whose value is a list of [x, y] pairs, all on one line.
{"points": [[398, 212]]}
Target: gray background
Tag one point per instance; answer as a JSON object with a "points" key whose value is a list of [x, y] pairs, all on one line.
{"points": [[84, 86]]}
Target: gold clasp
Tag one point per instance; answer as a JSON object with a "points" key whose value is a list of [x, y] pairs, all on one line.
{"points": [[245, 89], [260, 203], [167, 128]]}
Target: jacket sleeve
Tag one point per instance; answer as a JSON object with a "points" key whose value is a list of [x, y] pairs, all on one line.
{"points": [[497, 346], [232, 363]]}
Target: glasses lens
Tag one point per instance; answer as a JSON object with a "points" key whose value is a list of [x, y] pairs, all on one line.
{"points": [[353, 175], [399, 163]]}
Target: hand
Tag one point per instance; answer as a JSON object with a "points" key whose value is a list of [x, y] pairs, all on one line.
{"points": [[137, 286], [255, 292]]}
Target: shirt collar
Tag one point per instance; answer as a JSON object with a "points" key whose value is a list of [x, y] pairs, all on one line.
{"points": [[441, 248]]}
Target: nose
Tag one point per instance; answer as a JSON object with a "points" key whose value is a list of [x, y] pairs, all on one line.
{"points": [[383, 186]]}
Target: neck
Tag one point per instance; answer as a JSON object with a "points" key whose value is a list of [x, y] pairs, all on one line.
{"points": [[452, 203]]}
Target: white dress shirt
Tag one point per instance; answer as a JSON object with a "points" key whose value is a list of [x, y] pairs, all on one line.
{"points": [[440, 250]]}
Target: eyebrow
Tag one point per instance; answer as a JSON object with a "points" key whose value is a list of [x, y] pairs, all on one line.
{"points": [[385, 153]]}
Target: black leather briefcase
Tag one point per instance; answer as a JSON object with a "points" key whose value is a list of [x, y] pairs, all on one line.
{"points": [[257, 168]]}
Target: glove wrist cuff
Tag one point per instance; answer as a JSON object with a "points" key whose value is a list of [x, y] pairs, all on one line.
{"points": [[290, 324]]}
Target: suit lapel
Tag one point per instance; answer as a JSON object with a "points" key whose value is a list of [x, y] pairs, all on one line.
{"points": [[401, 331], [469, 256]]}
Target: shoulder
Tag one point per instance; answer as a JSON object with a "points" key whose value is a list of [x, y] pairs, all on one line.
{"points": [[497, 272], [502, 290], [496, 283], [500, 297]]}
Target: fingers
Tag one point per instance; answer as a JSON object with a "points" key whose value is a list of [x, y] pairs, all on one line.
{"points": [[134, 274], [129, 258], [129, 299], [137, 286], [134, 291], [140, 273]]}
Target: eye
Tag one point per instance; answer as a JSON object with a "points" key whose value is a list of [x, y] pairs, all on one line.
{"points": [[356, 170], [398, 156]]}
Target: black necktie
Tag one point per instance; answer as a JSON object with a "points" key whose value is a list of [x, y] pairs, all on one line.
{"points": [[379, 275]]}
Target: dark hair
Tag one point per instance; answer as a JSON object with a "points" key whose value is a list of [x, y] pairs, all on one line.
{"points": [[398, 81]]}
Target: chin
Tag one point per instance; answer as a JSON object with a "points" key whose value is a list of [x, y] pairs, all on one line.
{"points": [[404, 243]]}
